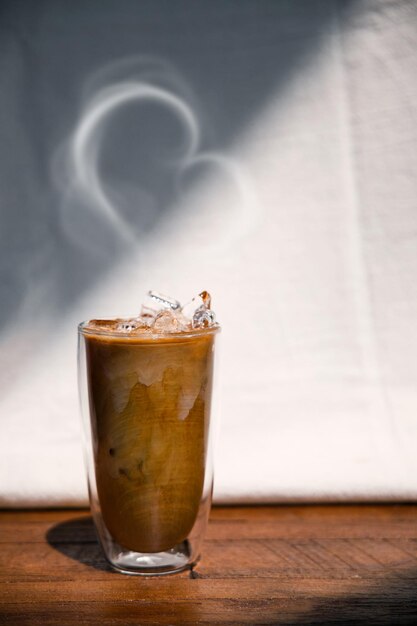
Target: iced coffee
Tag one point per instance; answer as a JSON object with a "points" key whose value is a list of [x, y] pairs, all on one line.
{"points": [[149, 385]]}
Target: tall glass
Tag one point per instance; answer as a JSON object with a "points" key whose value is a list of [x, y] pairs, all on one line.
{"points": [[146, 406]]}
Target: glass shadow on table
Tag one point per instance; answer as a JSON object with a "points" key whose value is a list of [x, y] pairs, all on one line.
{"points": [[77, 539]]}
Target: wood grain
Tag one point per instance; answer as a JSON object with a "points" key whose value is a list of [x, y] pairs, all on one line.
{"points": [[261, 565]]}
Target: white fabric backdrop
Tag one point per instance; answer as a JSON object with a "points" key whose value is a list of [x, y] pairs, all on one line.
{"points": [[313, 282]]}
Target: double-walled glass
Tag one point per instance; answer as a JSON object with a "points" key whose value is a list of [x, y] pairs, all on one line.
{"points": [[146, 404]]}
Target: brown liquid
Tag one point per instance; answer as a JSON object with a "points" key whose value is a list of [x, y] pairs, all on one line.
{"points": [[150, 408]]}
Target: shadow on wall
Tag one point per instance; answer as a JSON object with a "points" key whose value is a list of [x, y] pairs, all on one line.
{"points": [[55, 243]]}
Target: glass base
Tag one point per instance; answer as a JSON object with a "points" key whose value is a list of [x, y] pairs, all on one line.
{"points": [[170, 561]]}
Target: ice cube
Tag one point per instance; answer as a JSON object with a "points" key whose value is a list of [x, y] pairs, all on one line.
{"points": [[154, 304], [163, 302], [190, 308], [203, 318], [167, 321], [147, 317], [198, 311]]}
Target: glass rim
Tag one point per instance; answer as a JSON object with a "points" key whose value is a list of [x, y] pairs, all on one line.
{"points": [[147, 337]]}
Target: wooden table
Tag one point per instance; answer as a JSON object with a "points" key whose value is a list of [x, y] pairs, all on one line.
{"points": [[261, 565]]}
